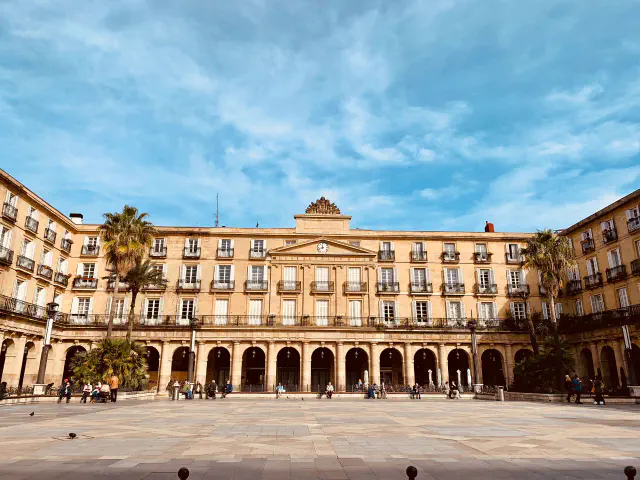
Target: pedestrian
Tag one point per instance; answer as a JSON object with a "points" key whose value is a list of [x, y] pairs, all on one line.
{"points": [[447, 393], [416, 392], [212, 388], [329, 390], [568, 385], [105, 392], [577, 387], [95, 393], [455, 391], [170, 389], [383, 391], [360, 385], [3, 391], [278, 390], [598, 386], [65, 391], [199, 390], [86, 391], [114, 382]]}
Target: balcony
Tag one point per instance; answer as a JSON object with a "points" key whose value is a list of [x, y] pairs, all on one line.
{"points": [[25, 263], [257, 254], [593, 281], [90, 250], [588, 245], [354, 288], [616, 274], [421, 288], [482, 257], [191, 253], [574, 287], [322, 287], [453, 288], [224, 253], [160, 252], [256, 285], [31, 224], [9, 212], [45, 271], [450, 257], [122, 286], [289, 286], [417, 256], [61, 278], [188, 286], [159, 286], [633, 224], [65, 244], [19, 307], [610, 235], [513, 258], [85, 283], [518, 291], [635, 267], [386, 255], [387, 287], [486, 289], [6, 256], [222, 285]]}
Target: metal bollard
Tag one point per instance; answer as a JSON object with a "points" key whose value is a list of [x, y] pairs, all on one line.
{"points": [[183, 473], [412, 472], [630, 472], [500, 394]]}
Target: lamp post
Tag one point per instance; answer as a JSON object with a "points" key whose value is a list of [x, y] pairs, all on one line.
{"points": [[472, 324], [193, 322], [628, 353], [39, 387]]}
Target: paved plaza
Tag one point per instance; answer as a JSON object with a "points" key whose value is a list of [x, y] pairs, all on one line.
{"points": [[326, 439]]}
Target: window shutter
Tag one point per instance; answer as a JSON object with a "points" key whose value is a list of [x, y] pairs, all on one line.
{"points": [[231, 244], [412, 272], [264, 245], [80, 269], [494, 314], [424, 247], [395, 274], [198, 243], [182, 272], [144, 307], [198, 272], [90, 306], [460, 279], [545, 310], [74, 305], [491, 277], [396, 310], [414, 312], [523, 276], [232, 275], [251, 244], [186, 242], [610, 258], [595, 265], [427, 275], [31, 249], [392, 246], [164, 271], [125, 307], [161, 307], [7, 239], [109, 300], [429, 310], [513, 309], [379, 275], [381, 247], [216, 272], [95, 272], [381, 309], [479, 310], [478, 276], [195, 306], [178, 307], [249, 272], [528, 309], [589, 268], [219, 244]]}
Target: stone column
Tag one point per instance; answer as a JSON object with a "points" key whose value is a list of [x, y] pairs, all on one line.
{"points": [[374, 374], [409, 375], [341, 363], [201, 363], [236, 367], [443, 363], [164, 375], [271, 365], [306, 367], [509, 362], [618, 351], [595, 357]]}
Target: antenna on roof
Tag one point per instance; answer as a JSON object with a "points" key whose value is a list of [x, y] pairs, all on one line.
{"points": [[217, 213], [257, 224]]}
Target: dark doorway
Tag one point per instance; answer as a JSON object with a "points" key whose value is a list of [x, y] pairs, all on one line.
{"points": [[288, 369], [459, 360], [67, 372], [424, 361], [492, 372], [219, 366], [357, 362], [253, 365], [180, 364], [391, 367], [322, 367]]}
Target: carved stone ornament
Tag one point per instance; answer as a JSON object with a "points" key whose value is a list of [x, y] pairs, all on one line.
{"points": [[323, 206]]}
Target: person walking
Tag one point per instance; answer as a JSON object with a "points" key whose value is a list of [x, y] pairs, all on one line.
{"points": [[199, 390], [114, 383], [598, 387], [86, 391], [359, 384], [329, 390], [568, 385], [416, 392], [65, 391], [577, 387]]}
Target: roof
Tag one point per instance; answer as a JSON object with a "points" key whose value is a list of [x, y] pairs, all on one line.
{"points": [[600, 213]]}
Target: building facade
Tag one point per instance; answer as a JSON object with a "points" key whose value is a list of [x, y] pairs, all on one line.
{"points": [[301, 306]]}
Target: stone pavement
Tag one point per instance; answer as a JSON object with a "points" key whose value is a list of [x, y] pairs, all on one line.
{"points": [[327, 439]]}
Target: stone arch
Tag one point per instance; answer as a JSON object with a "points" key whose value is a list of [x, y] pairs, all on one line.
{"points": [[609, 367], [253, 369], [322, 369], [492, 371], [391, 367], [28, 365], [635, 361], [7, 351], [585, 364], [458, 359], [423, 361], [522, 354], [180, 363], [288, 369], [356, 364], [219, 365], [67, 372], [153, 365]]}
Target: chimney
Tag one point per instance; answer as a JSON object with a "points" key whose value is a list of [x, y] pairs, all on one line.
{"points": [[489, 227], [76, 218]]}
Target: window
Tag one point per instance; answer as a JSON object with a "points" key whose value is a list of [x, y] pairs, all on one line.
{"points": [[322, 278], [224, 273], [159, 245], [586, 235], [153, 308], [20, 290], [418, 247], [187, 309], [420, 277], [158, 267], [5, 237], [484, 278], [385, 246], [88, 270], [190, 274], [322, 312], [386, 276], [257, 273], [422, 312], [519, 310], [597, 303], [83, 307], [455, 310], [225, 247], [12, 199], [592, 266], [487, 310], [28, 249], [51, 225], [221, 311], [513, 252], [258, 246], [354, 282], [290, 242], [449, 251], [288, 312], [389, 311], [579, 308], [119, 310], [452, 276], [623, 299], [355, 313], [255, 312], [614, 258], [40, 297], [46, 258], [573, 273], [481, 248], [515, 279], [192, 245], [63, 265], [633, 219], [638, 248], [33, 213], [92, 243], [546, 311]]}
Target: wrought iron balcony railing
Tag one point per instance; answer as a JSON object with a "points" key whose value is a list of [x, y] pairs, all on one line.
{"points": [[386, 255], [25, 263], [453, 288], [421, 287], [256, 285], [486, 289], [45, 271], [594, 321], [387, 287], [588, 245], [161, 285], [18, 307], [9, 212], [354, 287], [574, 287], [615, 274], [513, 258], [90, 250], [518, 290], [289, 286], [217, 285], [31, 224], [633, 224], [418, 256], [191, 285], [257, 254], [450, 257], [610, 235], [160, 252], [635, 267], [322, 287], [224, 252], [65, 244], [122, 286], [61, 278], [6, 256], [85, 283], [50, 235], [191, 252], [482, 257], [593, 281]]}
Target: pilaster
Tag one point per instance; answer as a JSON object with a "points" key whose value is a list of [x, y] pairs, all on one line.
{"points": [[443, 363], [306, 366], [271, 365], [341, 365], [236, 367], [164, 375], [409, 375], [201, 363], [375, 363]]}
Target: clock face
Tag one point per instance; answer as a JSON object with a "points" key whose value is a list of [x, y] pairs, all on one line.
{"points": [[323, 247]]}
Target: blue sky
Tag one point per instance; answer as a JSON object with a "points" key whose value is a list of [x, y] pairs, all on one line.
{"points": [[417, 115]]}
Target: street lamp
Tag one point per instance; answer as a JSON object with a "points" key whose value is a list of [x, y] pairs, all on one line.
{"points": [[628, 351], [39, 388], [193, 322], [472, 324]]}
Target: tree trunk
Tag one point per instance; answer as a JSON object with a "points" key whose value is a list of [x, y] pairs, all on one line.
{"points": [[131, 319], [556, 338], [532, 336], [113, 305]]}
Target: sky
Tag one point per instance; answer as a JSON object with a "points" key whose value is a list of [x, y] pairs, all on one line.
{"points": [[408, 114]]}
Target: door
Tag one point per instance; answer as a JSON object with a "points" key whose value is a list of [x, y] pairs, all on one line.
{"points": [[355, 313], [221, 311], [322, 278], [322, 312], [622, 298], [289, 312], [354, 280], [255, 312], [290, 278]]}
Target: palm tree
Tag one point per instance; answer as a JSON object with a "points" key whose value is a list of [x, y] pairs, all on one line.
{"points": [[551, 255], [143, 273], [126, 237]]}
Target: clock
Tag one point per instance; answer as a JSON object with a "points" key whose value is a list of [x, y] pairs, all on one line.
{"points": [[323, 247]]}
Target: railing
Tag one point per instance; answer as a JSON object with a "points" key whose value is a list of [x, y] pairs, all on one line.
{"points": [[421, 287], [633, 224], [25, 263], [160, 285], [450, 257], [188, 285], [615, 274], [322, 287], [158, 252], [609, 235], [88, 283], [518, 290], [224, 252], [354, 287], [486, 289], [19, 307], [289, 286], [256, 285], [45, 271], [635, 267], [453, 288], [122, 286], [593, 281], [191, 252], [482, 257], [222, 285], [609, 318], [387, 287], [574, 286], [50, 235], [513, 258], [90, 250], [418, 256], [9, 211], [386, 255], [65, 244], [6, 256], [588, 245], [61, 278], [257, 253]]}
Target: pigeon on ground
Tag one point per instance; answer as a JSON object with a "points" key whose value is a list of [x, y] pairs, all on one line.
{"points": [[72, 435], [32, 414]]}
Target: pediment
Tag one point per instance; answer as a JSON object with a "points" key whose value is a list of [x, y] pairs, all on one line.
{"points": [[310, 248]]}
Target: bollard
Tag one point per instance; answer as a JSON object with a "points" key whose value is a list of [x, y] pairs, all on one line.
{"points": [[183, 473], [630, 472], [176, 393], [500, 394], [412, 472]]}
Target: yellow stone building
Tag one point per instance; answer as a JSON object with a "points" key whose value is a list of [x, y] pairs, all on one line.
{"points": [[300, 306]]}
